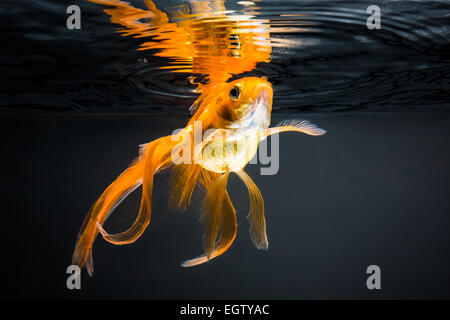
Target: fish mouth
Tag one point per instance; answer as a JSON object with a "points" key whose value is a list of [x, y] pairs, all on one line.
{"points": [[259, 113], [262, 98]]}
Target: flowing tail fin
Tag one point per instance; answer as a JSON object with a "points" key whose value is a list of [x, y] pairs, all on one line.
{"points": [[183, 180], [219, 215], [154, 157]]}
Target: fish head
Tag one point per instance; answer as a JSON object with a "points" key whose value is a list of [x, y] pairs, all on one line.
{"points": [[245, 103]]}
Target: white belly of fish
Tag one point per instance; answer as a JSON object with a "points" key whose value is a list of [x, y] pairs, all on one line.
{"points": [[231, 153]]}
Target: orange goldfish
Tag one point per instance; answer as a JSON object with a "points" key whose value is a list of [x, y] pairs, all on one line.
{"points": [[233, 117]]}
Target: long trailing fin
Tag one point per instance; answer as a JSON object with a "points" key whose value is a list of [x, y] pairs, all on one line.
{"points": [[100, 211], [228, 223], [256, 213], [139, 172], [212, 210], [228, 228], [157, 155]]}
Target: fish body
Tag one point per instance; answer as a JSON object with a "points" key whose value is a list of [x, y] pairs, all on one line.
{"points": [[237, 123], [232, 118], [231, 153]]}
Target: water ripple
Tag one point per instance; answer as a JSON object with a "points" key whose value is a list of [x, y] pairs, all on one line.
{"points": [[319, 55]]}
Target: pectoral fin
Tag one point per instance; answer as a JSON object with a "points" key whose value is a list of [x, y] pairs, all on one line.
{"points": [[256, 213], [303, 126]]}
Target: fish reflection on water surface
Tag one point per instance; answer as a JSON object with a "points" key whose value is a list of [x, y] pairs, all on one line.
{"points": [[200, 38], [233, 117]]}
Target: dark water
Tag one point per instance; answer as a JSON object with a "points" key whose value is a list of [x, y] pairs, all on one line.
{"points": [[75, 105], [373, 190], [324, 58]]}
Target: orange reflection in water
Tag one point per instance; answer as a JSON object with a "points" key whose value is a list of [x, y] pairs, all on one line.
{"points": [[200, 37]]}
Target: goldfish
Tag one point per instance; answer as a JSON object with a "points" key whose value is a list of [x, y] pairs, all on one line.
{"points": [[232, 119]]}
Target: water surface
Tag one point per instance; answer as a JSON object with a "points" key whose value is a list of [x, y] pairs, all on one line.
{"points": [[320, 55]]}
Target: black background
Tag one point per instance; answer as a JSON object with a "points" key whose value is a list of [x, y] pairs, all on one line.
{"points": [[373, 190]]}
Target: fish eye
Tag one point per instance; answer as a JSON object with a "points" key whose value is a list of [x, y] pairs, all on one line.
{"points": [[235, 93]]}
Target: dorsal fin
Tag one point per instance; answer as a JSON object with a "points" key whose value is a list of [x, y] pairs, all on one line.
{"points": [[197, 103]]}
